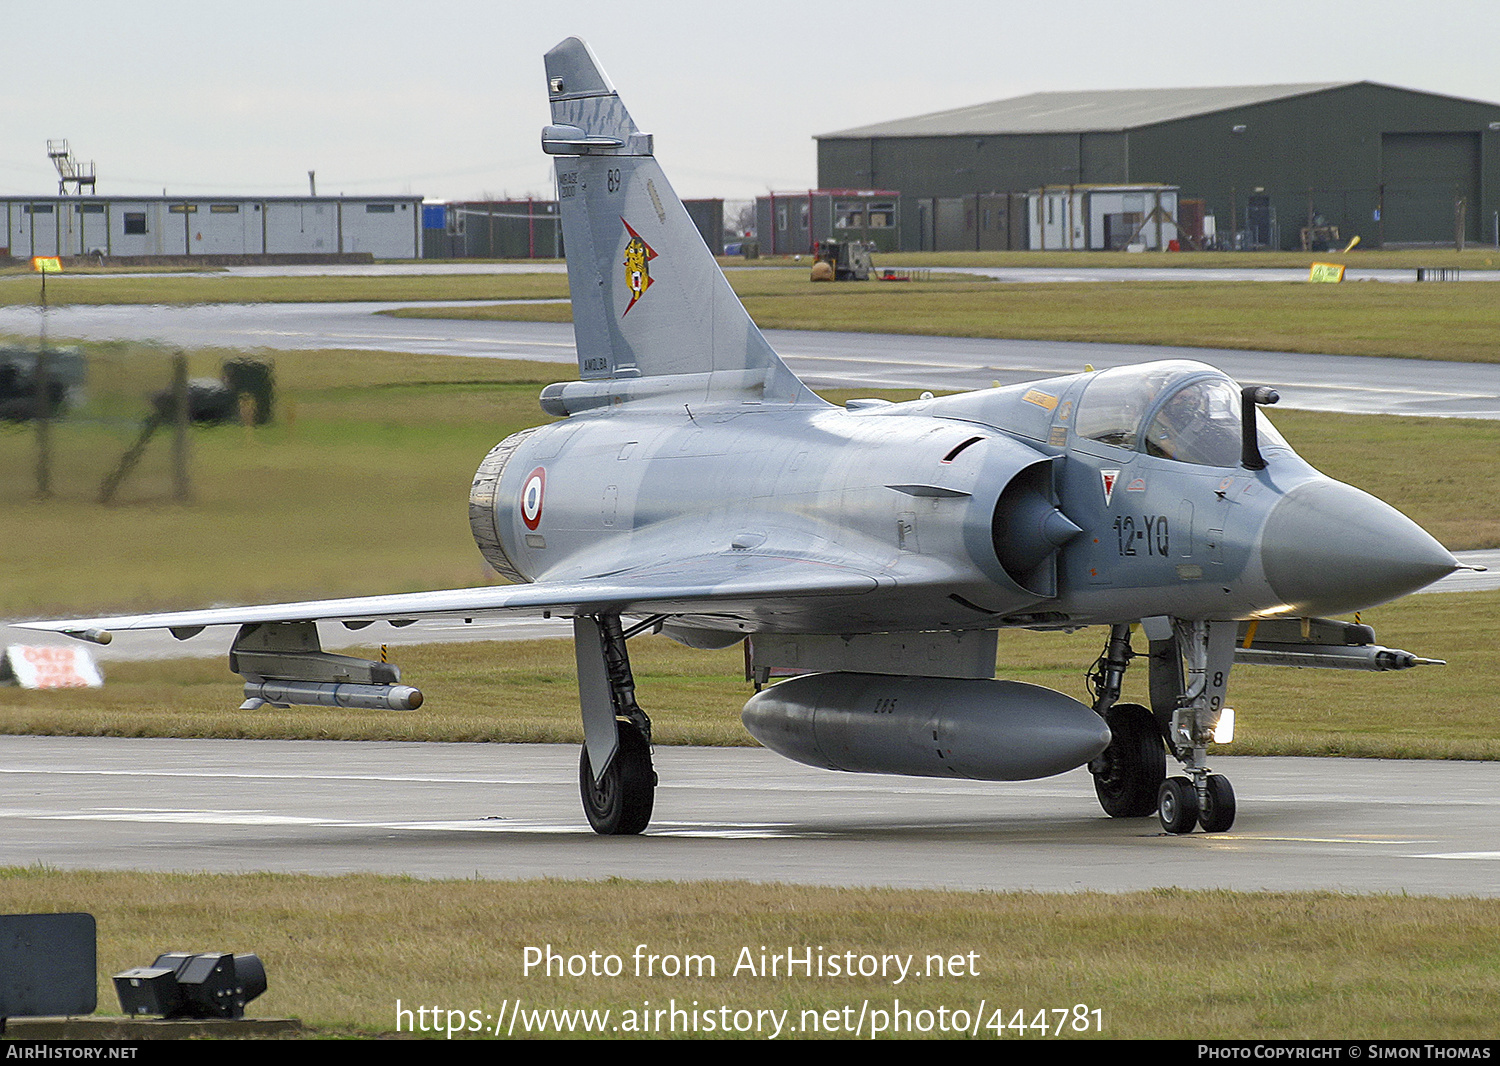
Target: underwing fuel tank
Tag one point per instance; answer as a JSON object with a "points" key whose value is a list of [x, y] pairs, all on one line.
{"points": [[982, 729]]}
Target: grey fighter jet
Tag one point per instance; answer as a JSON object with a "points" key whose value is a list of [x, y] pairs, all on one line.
{"points": [[869, 553]]}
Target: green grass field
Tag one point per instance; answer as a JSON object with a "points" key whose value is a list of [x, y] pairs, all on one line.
{"points": [[340, 952], [1474, 257], [367, 467], [1431, 321]]}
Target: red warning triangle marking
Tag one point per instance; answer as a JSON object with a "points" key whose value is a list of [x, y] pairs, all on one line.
{"points": [[1108, 477]]}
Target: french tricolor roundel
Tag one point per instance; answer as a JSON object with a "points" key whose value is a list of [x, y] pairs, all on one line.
{"points": [[532, 491]]}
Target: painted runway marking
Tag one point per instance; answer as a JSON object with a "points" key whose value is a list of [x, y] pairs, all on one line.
{"points": [[147, 815], [268, 776], [1323, 840]]}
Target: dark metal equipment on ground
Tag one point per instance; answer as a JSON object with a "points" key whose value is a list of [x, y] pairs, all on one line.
{"points": [[245, 394], [180, 984], [850, 260], [38, 381]]}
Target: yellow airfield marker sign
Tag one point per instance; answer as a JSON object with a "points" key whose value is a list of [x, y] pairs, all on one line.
{"points": [[1326, 272], [46, 264]]}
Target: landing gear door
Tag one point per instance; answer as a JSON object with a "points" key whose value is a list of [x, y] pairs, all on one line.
{"points": [[600, 736]]}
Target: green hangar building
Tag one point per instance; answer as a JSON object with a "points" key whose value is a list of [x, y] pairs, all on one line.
{"points": [[1257, 164]]}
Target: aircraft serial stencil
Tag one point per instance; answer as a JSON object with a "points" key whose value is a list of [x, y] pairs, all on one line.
{"points": [[694, 486]]}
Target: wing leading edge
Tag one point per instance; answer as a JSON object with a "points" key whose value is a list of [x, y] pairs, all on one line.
{"points": [[730, 585]]}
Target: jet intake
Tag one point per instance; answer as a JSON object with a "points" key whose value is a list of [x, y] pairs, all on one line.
{"points": [[1028, 529], [981, 729]]}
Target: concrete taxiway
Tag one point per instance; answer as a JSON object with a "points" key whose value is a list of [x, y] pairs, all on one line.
{"points": [[512, 811]]}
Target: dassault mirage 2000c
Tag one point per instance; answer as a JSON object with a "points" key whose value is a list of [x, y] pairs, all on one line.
{"points": [[692, 485]]}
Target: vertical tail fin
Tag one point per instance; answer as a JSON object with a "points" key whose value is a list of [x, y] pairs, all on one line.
{"points": [[648, 298]]}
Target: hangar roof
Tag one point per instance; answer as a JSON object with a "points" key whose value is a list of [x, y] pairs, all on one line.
{"points": [[1083, 112]]}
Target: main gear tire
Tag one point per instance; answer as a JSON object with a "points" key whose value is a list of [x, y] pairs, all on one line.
{"points": [[620, 802], [1131, 770]]}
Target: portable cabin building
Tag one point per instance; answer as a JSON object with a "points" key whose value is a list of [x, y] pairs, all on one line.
{"points": [[230, 227], [790, 223]]}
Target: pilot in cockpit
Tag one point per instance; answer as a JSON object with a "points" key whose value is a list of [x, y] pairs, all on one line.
{"points": [[1198, 424]]}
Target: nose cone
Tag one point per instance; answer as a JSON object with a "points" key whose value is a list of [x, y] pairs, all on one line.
{"points": [[1329, 548]]}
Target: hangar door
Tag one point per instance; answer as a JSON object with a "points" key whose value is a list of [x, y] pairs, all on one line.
{"points": [[1425, 174]]}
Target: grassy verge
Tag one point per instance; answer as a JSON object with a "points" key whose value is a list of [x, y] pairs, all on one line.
{"points": [[1438, 322], [210, 288], [1290, 966], [1454, 321], [1475, 257]]}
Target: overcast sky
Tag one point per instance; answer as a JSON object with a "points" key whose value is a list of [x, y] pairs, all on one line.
{"points": [[445, 98]]}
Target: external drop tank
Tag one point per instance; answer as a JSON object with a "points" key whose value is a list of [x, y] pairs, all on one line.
{"points": [[983, 729]]}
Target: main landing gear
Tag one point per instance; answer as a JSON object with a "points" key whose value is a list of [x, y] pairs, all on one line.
{"points": [[1131, 770], [619, 801], [1130, 775], [619, 797]]}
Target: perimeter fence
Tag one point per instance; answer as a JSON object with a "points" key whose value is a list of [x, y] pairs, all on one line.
{"points": [[113, 422]]}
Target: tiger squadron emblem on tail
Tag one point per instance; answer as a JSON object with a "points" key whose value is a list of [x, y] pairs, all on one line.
{"points": [[638, 256]]}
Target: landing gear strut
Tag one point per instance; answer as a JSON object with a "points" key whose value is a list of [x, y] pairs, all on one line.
{"points": [[1130, 775], [1208, 648], [618, 797]]}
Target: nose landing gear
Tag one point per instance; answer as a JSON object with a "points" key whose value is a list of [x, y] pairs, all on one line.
{"points": [[1130, 775]]}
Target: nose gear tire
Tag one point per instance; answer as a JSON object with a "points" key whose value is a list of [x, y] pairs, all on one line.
{"points": [[1177, 805]]}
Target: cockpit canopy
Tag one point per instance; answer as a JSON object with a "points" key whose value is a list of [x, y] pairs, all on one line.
{"points": [[1178, 410]]}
